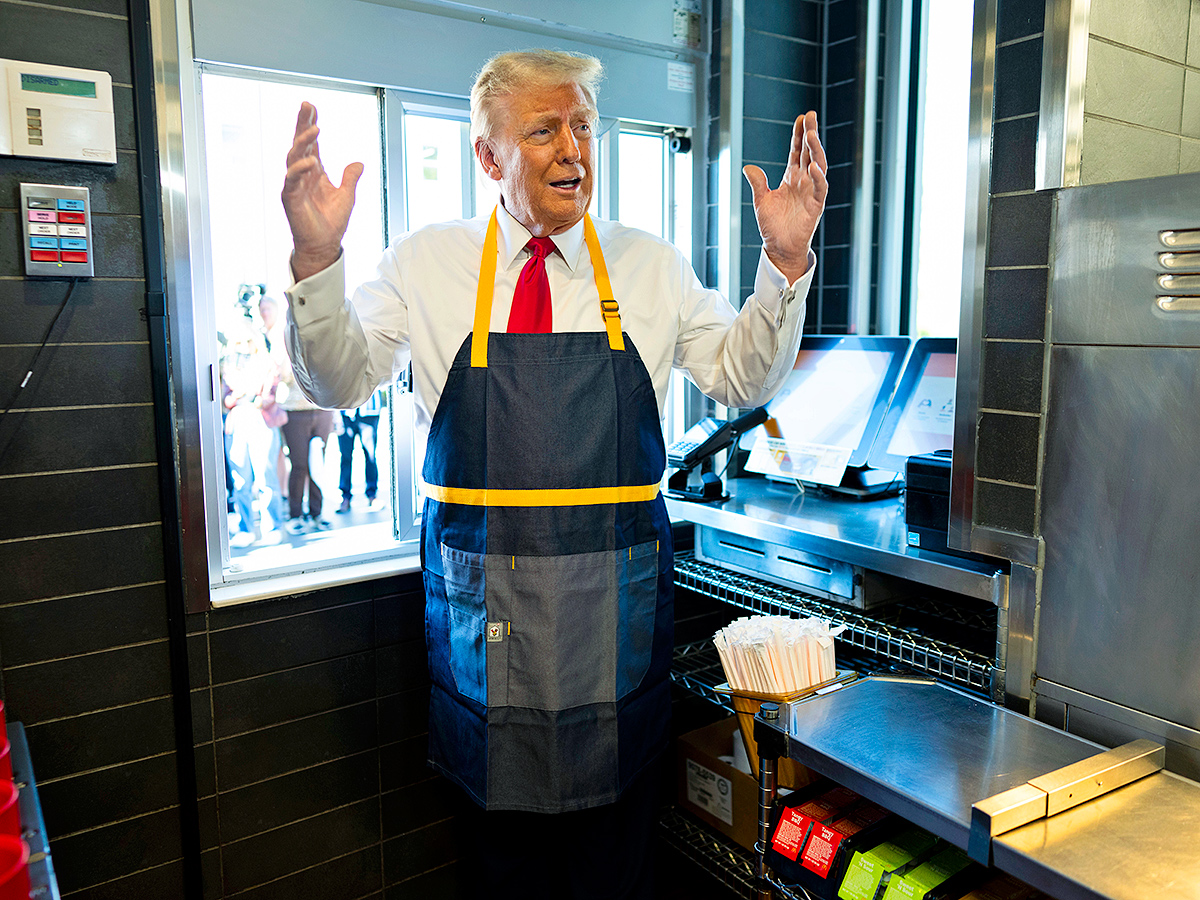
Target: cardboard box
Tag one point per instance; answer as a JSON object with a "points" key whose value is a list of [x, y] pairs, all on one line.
{"points": [[714, 791]]}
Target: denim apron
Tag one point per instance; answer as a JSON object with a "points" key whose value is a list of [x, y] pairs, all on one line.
{"points": [[548, 563]]}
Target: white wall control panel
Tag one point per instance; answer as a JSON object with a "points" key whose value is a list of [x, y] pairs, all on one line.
{"points": [[57, 223], [56, 112]]}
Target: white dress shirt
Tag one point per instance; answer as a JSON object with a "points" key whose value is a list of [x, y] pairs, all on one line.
{"points": [[422, 301]]}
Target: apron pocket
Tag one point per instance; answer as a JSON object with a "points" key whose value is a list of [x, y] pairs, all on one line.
{"points": [[465, 581], [582, 624], [637, 592]]}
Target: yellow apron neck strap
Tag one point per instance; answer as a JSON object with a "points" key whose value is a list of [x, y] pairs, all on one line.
{"points": [[608, 306], [609, 310], [483, 296]]}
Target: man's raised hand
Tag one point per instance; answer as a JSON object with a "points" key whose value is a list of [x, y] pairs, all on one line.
{"points": [[317, 211], [788, 215]]}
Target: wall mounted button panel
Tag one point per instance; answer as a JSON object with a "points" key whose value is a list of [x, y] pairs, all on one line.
{"points": [[58, 231]]}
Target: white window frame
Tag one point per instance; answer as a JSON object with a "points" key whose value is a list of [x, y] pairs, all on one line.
{"points": [[226, 584], [180, 133]]}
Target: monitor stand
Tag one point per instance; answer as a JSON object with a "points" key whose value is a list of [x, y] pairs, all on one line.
{"points": [[864, 483]]}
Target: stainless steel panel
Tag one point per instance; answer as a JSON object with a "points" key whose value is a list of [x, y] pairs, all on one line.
{"points": [[975, 242], [1118, 613], [1017, 645], [1064, 76], [1106, 269], [1136, 843], [775, 563], [925, 751], [1111, 724], [867, 533]]}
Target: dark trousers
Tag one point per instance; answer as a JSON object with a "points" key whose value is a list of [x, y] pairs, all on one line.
{"points": [[365, 428], [605, 853], [301, 428]]}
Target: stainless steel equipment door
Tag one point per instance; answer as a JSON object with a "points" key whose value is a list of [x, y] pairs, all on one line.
{"points": [[1120, 610]]}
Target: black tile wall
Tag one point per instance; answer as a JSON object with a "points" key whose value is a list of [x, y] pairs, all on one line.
{"points": [[1019, 18], [1019, 92], [92, 799], [115, 850], [284, 851], [1014, 154], [302, 744], [99, 740], [1020, 230], [1006, 507], [300, 795], [291, 762], [58, 440], [1012, 376], [1007, 448], [160, 881], [801, 18], [357, 874], [1016, 303]]}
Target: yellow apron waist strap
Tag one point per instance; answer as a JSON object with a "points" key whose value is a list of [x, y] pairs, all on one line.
{"points": [[593, 496]]}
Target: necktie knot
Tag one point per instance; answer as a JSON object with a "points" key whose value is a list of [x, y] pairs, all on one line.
{"points": [[541, 247]]}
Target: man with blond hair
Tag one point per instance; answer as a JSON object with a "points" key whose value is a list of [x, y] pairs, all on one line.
{"points": [[541, 342]]}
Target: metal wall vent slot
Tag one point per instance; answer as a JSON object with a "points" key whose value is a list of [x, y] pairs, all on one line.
{"points": [[1183, 239]]}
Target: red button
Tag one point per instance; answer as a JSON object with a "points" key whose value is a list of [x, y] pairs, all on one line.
{"points": [[44, 255], [74, 256], [73, 218]]}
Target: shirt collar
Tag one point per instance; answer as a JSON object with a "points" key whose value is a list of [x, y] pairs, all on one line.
{"points": [[514, 236]]}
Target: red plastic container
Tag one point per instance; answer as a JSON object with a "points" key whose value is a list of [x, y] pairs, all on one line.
{"points": [[14, 868], [10, 813], [5, 759]]}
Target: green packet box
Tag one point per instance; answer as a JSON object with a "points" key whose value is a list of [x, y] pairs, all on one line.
{"points": [[867, 868], [929, 879]]}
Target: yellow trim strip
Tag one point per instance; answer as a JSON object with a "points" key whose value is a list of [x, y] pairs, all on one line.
{"points": [[608, 306], [542, 497], [483, 297]]}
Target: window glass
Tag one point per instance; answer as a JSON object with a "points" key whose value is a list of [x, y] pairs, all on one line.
{"points": [[942, 167], [434, 159], [642, 182], [288, 467]]}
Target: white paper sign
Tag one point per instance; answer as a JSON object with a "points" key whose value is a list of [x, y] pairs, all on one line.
{"points": [[709, 791], [681, 77]]}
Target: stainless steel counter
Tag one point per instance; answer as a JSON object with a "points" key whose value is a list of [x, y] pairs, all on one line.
{"points": [[868, 533], [928, 752], [925, 751], [1141, 841]]}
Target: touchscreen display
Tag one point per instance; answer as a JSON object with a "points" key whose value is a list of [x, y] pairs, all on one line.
{"points": [[927, 421], [829, 397]]}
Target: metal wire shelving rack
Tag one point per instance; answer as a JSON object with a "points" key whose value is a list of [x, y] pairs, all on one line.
{"points": [[877, 642], [868, 634]]}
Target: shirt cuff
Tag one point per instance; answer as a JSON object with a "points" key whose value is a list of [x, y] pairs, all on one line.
{"points": [[771, 287], [318, 295]]}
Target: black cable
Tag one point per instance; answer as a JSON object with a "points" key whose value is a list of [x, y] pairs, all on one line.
{"points": [[33, 365]]}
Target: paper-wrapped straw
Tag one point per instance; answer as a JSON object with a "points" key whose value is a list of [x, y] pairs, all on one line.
{"points": [[776, 654]]}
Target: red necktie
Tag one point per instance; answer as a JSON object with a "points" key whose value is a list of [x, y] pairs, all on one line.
{"points": [[531, 311]]}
